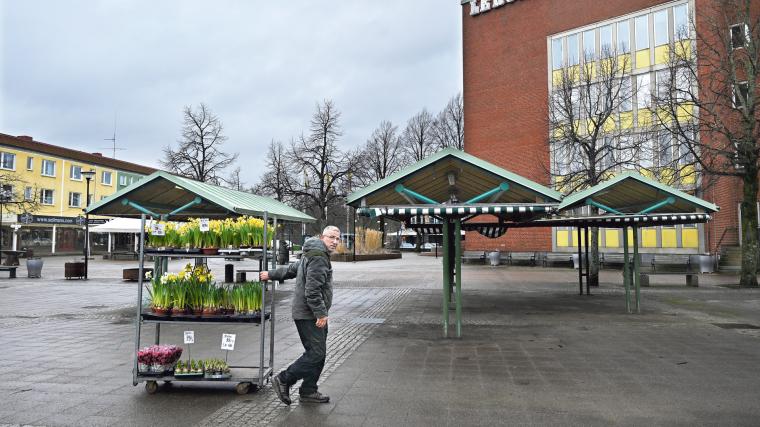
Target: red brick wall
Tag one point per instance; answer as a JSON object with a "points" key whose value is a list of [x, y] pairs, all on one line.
{"points": [[505, 91]]}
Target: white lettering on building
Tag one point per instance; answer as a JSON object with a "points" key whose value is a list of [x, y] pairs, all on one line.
{"points": [[480, 6]]}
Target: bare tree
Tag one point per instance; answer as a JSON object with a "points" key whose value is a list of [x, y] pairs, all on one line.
{"points": [[590, 135], [448, 127], [234, 181], [381, 155], [16, 196], [199, 155], [323, 165], [709, 99], [417, 138], [278, 177]]}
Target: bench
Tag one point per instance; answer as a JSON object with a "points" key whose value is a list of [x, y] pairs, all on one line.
{"points": [[11, 271], [672, 264], [124, 254], [556, 257], [474, 256], [609, 259], [530, 257]]}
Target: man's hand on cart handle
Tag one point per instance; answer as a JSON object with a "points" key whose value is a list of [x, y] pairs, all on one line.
{"points": [[322, 322], [263, 276]]}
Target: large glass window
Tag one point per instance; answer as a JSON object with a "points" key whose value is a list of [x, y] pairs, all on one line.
{"points": [[572, 50], [626, 95], [48, 168], [28, 194], [105, 178], [605, 41], [741, 94], [46, 196], [739, 36], [623, 37], [30, 163], [665, 143], [646, 154], [589, 45], [681, 22], [7, 161], [661, 27], [641, 29], [76, 172], [643, 91], [75, 199]]}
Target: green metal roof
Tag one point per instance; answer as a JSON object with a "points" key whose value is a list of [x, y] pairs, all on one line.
{"points": [[162, 192], [631, 192], [474, 176]]}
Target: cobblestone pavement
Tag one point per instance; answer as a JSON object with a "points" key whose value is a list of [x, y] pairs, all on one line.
{"points": [[533, 352]]}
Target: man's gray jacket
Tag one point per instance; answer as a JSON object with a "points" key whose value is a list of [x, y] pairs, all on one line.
{"points": [[312, 297]]}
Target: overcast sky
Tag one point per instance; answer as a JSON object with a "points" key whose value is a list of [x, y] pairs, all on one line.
{"points": [[69, 67]]}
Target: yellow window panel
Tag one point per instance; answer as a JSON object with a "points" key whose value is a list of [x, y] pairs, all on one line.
{"points": [[668, 175], [573, 73], [661, 54], [626, 120], [648, 173], [630, 237], [609, 125], [574, 233], [688, 176], [648, 237], [611, 238], [682, 49], [562, 238], [556, 77], [685, 112], [669, 238], [690, 238], [663, 115], [645, 117], [642, 58], [624, 62], [589, 69]]}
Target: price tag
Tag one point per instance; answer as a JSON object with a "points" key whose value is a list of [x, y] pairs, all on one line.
{"points": [[228, 341], [157, 229], [189, 337], [203, 224]]}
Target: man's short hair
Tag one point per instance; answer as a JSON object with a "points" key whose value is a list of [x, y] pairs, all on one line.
{"points": [[330, 228]]}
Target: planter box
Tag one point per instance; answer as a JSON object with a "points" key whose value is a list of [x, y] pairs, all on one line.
{"points": [[73, 270], [132, 274], [371, 257]]}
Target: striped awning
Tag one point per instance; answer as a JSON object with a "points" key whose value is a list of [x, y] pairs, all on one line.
{"points": [[616, 221], [486, 229], [458, 210]]}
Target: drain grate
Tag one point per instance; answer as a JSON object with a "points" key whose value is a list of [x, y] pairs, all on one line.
{"points": [[736, 326]]}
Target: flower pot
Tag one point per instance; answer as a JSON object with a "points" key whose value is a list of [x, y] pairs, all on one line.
{"points": [[197, 311], [160, 311], [176, 311], [209, 312], [210, 251], [34, 267]]}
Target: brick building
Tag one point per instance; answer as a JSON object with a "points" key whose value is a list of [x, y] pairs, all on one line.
{"points": [[512, 52]]}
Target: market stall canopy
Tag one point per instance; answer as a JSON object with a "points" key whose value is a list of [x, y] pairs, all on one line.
{"points": [[118, 225], [452, 176], [632, 193], [162, 193]]}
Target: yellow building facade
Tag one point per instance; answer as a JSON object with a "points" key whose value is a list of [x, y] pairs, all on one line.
{"points": [[50, 180]]}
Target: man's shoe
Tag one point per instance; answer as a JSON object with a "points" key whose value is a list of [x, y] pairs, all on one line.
{"points": [[282, 390], [315, 397]]}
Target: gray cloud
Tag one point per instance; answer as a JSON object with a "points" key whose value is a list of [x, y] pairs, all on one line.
{"points": [[69, 65]]}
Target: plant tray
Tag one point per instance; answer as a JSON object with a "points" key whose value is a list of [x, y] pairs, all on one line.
{"points": [[155, 374], [188, 376], [219, 318], [186, 251], [217, 376]]}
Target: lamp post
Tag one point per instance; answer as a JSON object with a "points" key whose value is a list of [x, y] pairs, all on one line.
{"points": [[87, 176]]}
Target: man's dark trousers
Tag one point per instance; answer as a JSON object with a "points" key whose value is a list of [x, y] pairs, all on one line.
{"points": [[309, 366]]}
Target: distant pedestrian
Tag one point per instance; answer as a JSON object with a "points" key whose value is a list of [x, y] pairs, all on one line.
{"points": [[312, 299]]}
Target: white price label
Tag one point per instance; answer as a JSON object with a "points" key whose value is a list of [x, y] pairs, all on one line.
{"points": [[157, 229], [189, 337], [203, 224], [228, 341]]}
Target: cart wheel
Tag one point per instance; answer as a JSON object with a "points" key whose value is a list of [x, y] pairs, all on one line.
{"points": [[151, 387], [243, 388]]}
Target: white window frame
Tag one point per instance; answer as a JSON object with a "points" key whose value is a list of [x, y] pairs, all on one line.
{"points": [[677, 32], [658, 34], [731, 35], [30, 163], [637, 33], [643, 91], [78, 204], [103, 175], [122, 180], [573, 58], [28, 194], [3, 155], [43, 169], [73, 168], [623, 47], [44, 192]]}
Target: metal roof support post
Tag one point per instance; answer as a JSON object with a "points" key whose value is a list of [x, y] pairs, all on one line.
{"points": [[134, 205], [626, 272], [668, 201], [493, 192], [580, 263], [636, 263], [588, 270], [446, 276], [592, 202], [458, 262], [195, 201]]}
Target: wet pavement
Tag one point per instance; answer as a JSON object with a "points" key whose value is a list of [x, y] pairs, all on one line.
{"points": [[533, 352]]}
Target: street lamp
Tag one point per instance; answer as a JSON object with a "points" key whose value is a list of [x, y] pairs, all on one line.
{"points": [[87, 176]]}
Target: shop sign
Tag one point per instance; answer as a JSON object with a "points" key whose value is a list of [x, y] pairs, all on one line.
{"points": [[28, 218], [481, 6], [97, 221], [10, 217]]}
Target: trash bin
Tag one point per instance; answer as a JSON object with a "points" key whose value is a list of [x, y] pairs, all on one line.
{"points": [[494, 257], [229, 273], [34, 267], [283, 253]]}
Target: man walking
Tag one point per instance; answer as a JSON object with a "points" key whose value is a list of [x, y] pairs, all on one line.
{"points": [[312, 299]]}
